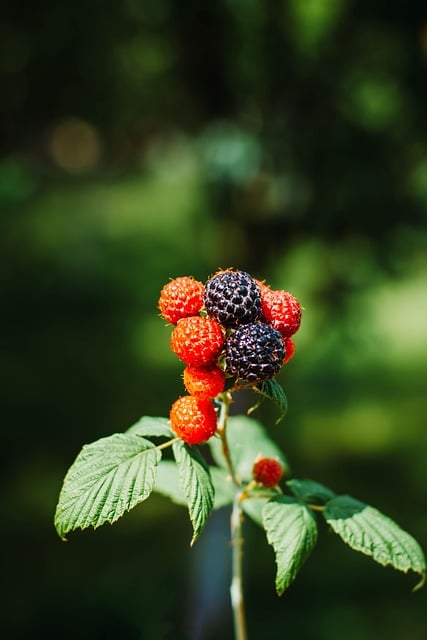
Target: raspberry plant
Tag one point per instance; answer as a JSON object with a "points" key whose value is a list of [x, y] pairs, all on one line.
{"points": [[232, 333]]}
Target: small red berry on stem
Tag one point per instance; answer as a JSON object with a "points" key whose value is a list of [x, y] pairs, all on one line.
{"points": [[197, 340], [205, 382], [282, 311], [267, 471], [193, 419], [181, 298]]}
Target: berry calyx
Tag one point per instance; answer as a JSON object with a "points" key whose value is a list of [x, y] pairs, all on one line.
{"points": [[197, 340], [181, 298], [282, 311], [254, 353], [268, 472], [232, 298], [204, 382], [193, 419]]}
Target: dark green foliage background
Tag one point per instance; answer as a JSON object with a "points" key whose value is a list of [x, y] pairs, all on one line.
{"points": [[145, 140]]}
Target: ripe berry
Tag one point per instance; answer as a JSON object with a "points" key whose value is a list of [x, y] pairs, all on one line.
{"points": [[197, 340], [267, 471], [289, 349], [205, 382], [232, 298], [282, 310], [264, 288], [254, 352], [193, 419], [181, 298]]}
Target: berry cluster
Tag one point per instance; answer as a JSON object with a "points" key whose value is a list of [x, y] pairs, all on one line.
{"points": [[232, 327]]}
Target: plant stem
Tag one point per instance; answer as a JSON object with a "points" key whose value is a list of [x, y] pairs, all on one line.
{"points": [[222, 431], [236, 587], [167, 444]]}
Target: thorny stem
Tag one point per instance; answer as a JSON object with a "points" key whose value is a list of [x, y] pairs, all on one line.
{"points": [[236, 587]]}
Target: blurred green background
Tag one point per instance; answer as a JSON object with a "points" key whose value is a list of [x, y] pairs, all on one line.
{"points": [[146, 139]]}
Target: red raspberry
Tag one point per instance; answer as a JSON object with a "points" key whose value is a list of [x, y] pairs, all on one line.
{"points": [[267, 471], [197, 340], [282, 311], [181, 298], [289, 349], [205, 382], [264, 288], [193, 419]]}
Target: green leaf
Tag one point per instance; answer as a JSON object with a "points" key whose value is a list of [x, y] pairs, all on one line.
{"points": [[292, 531], [196, 484], [223, 485], [155, 427], [108, 477], [367, 530], [253, 508], [274, 391], [247, 439], [167, 482], [310, 491]]}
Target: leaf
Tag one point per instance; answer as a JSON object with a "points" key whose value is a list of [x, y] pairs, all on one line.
{"points": [[246, 439], [274, 391], [167, 482], [148, 426], [108, 477], [367, 530], [292, 531], [253, 508], [223, 485], [310, 491], [196, 484]]}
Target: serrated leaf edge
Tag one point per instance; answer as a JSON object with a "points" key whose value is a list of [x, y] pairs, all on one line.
{"points": [[61, 508], [194, 454], [283, 582], [421, 571]]}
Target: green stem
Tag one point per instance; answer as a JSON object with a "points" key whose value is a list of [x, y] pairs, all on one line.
{"points": [[222, 431], [167, 444], [236, 586]]}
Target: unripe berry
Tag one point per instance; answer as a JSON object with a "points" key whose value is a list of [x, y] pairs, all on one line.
{"points": [[197, 340], [205, 382], [267, 471], [282, 311], [181, 298], [264, 288], [289, 349], [193, 419]]}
